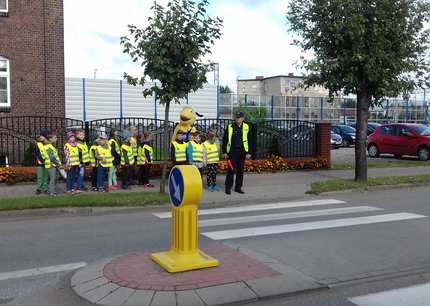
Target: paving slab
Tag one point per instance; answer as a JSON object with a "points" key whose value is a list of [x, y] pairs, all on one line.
{"points": [[188, 298], [99, 293], [83, 276], [85, 287], [164, 298], [140, 298], [118, 297], [226, 294]]}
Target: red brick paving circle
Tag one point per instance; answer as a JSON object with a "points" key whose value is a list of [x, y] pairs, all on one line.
{"points": [[138, 271]]}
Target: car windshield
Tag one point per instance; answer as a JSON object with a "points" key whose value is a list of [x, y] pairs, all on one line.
{"points": [[347, 129], [422, 130]]}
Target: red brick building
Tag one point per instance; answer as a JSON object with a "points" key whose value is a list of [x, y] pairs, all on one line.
{"points": [[32, 58]]}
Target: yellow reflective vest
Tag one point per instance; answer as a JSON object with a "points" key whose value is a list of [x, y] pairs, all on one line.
{"points": [[57, 161], [212, 152], [93, 161], [197, 151], [105, 155], [44, 155], [129, 150], [72, 155], [134, 145], [245, 132], [141, 156], [83, 148], [180, 151]]}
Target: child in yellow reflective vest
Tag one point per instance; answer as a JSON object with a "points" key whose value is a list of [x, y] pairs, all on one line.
{"points": [[105, 162], [195, 151], [84, 158], [55, 163], [211, 158], [178, 150], [127, 162], [94, 164], [43, 163], [145, 157], [72, 162]]}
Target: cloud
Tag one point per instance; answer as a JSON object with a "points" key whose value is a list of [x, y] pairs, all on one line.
{"points": [[255, 40]]}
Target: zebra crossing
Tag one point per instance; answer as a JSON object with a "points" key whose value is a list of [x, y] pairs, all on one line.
{"points": [[418, 295], [288, 213]]}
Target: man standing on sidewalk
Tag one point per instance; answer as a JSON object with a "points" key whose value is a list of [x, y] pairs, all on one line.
{"points": [[236, 148]]}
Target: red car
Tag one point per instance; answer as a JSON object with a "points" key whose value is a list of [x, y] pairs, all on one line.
{"points": [[400, 139]]}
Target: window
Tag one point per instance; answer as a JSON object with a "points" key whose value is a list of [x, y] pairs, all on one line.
{"points": [[389, 130], [4, 6], [422, 130], [4, 83]]}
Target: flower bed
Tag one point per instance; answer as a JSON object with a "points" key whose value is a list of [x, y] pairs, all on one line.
{"points": [[12, 175]]}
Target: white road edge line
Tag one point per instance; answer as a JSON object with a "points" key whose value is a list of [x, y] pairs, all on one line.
{"points": [[418, 295], [258, 207], [286, 216], [308, 226], [41, 271]]}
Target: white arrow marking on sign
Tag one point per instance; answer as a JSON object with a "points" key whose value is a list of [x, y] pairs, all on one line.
{"points": [[177, 193]]}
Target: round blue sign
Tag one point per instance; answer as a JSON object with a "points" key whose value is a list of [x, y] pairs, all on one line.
{"points": [[176, 187]]}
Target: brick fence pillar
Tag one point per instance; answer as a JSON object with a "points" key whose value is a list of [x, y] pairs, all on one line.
{"points": [[323, 141]]}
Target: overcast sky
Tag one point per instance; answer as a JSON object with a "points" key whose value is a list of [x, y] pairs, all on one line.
{"points": [[255, 40]]}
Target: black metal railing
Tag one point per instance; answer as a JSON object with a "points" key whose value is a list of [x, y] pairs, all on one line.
{"points": [[286, 138]]}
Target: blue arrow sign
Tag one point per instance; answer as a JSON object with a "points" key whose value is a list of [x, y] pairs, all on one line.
{"points": [[176, 187]]}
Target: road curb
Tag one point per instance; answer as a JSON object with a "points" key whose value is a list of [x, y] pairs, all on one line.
{"points": [[372, 188]]}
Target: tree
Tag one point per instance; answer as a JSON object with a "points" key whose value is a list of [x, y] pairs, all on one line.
{"points": [[371, 48], [225, 89], [171, 49]]}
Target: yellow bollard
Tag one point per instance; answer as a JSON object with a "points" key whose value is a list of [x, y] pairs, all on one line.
{"points": [[186, 189]]}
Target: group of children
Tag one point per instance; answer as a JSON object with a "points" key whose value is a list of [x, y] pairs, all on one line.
{"points": [[202, 155], [104, 157]]}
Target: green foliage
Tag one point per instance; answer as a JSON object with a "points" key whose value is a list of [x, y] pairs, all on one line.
{"points": [[171, 49], [225, 89], [376, 46], [252, 114], [29, 156]]}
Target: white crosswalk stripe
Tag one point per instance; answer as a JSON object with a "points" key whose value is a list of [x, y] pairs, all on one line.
{"points": [[259, 207], [410, 296], [285, 216], [241, 216]]}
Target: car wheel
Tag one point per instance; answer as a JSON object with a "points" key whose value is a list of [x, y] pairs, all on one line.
{"points": [[373, 151], [423, 154], [345, 143], [398, 156]]}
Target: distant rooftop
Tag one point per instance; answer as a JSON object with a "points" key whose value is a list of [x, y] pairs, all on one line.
{"points": [[262, 78]]}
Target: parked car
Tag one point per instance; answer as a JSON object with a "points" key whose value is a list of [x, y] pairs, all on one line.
{"points": [[336, 141], [400, 139], [346, 132], [371, 127]]}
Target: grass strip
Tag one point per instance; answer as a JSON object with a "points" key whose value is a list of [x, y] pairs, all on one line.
{"points": [[339, 184], [384, 164], [132, 199]]}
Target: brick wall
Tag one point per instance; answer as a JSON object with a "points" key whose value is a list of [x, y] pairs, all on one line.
{"points": [[32, 38], [323, 136]]}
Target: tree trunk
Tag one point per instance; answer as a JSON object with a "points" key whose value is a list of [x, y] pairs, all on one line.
{"points": [[363, 102], [166, 143]]}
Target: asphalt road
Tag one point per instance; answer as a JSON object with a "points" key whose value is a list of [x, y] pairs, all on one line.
{"points": [[359, 236]]}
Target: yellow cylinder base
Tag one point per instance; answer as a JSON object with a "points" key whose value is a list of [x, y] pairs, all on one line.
{"points": [[173, 262]]}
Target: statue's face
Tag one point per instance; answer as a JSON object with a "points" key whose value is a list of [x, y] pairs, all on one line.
{"points": [[188, 116]]}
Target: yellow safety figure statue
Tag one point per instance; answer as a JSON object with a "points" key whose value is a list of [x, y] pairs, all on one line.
{"points": [[185, 186]]}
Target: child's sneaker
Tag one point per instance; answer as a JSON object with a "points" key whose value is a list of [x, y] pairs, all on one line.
{"points": [[211, 188], [149, 186], [70, 192], [102, 190], [216, 188]]}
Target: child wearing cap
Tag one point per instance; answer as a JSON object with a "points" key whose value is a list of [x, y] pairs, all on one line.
{"points": [[43, 163], [127, 161], [105, 162], [195, 151], [94, 164], [72, 162], [211, 158], [178, 150], [55, 163], [144, 159], [84, 158]]}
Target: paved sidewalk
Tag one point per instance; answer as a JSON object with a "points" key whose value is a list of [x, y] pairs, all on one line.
{"points": [[258, 187], [134, 280]]}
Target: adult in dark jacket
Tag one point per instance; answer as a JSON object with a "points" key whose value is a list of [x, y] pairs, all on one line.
{"points": [[236, 148]]}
